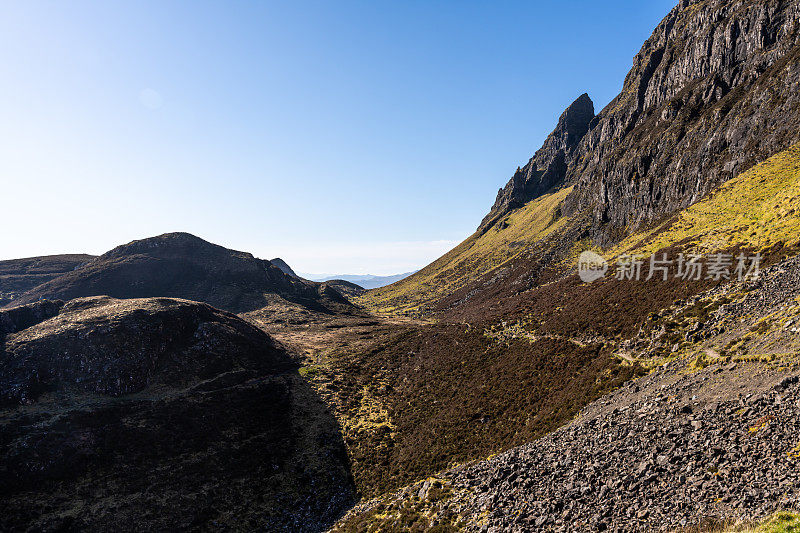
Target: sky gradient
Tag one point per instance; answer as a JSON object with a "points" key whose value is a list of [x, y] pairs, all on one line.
{"points": [[344, 137]]}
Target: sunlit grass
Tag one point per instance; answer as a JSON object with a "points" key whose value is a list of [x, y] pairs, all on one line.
{"points": [[782, 522], [755, 210], [473, 257]]}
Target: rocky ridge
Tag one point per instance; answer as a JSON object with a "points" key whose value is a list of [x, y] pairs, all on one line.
{"points": [[180, 265], [549, 166], [285, 268]]}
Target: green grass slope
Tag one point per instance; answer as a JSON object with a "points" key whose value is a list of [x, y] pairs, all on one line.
{"points": [[474, 257]]}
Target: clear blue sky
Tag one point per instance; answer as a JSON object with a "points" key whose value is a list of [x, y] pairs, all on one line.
{"points": [[346, 137]]}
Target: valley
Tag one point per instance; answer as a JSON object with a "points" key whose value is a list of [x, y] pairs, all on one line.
{"points": [[175, 384]]}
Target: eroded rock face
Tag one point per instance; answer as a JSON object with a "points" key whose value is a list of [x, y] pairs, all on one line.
{"points": [[549, 166], [714, 90], [160, 414]]}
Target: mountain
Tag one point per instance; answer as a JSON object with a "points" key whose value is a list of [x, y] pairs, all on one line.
{"points": [[670, 394], [496, 389], [159, 414], [20, 275], [710, 95], [285, 268], [367, 281], [181, 265]]}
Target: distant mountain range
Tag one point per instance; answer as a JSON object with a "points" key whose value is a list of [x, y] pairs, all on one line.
{"points": [[367, 281]]}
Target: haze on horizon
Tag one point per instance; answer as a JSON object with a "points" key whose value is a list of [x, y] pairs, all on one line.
{"points": [[347, 137]]}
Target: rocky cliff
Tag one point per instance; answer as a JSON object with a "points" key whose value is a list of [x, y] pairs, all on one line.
{"points": [[549, 166], [712, 92]]}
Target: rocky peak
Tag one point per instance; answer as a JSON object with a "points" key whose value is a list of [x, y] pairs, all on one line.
{"points": [[711, 93], [284, 266], [548, 167]]}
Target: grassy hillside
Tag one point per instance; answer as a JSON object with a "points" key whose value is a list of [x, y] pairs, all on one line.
{"points": [[473, 257], [757, 209]]}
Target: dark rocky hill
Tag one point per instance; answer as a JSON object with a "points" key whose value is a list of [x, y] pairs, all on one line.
{"points": [[158, 414], [20, 275], [346, 288], [180, 265]]}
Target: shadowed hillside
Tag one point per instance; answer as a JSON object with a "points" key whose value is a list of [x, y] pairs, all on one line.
{"points": [[20, 275], [159, 413], [180, 265]]}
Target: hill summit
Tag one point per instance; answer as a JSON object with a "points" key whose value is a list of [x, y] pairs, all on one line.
{"points": [[181, 265]]}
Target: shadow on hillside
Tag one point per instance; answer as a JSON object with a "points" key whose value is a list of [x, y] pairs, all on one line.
{"points": [[232, 453]]}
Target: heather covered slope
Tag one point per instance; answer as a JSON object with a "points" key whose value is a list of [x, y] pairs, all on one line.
{"points": [[159, 414], [181, 265], [20, 275], [713, 92], [710, 435]]}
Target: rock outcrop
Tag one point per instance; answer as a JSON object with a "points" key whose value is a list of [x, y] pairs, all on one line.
{"points": [[180, 265], [285, 268], [549, 166], [159, 414], [345, 288]]}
